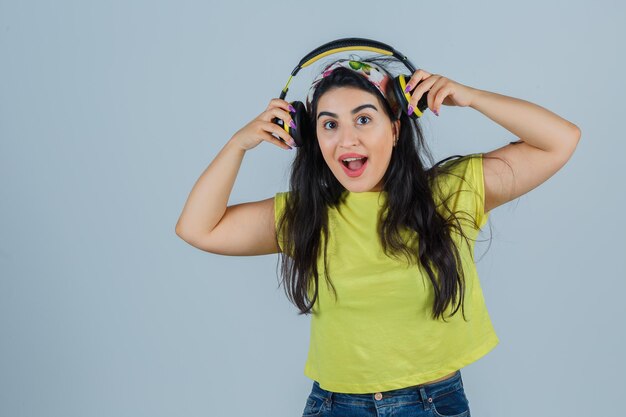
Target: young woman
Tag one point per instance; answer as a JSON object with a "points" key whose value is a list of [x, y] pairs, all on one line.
{"points": [[403, 311]]}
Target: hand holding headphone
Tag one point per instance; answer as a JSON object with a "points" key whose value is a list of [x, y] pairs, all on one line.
{"points": [[262, 128]]}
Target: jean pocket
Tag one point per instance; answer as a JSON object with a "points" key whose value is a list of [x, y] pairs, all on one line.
{"points": [[451, 404], [314, 406]]}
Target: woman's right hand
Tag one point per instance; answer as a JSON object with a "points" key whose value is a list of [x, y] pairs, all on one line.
{"points": [[261, 128]]}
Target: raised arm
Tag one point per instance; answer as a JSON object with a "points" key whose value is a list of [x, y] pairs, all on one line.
{"points": [[547, 140], [547, 143], [207, 222]]}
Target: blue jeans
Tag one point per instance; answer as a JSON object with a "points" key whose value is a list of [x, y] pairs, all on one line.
{"points": [[439, 399]]}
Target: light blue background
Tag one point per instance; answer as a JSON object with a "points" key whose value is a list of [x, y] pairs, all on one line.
{"points": [[110, 111]]}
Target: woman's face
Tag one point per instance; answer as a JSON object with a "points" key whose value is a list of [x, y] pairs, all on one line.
{"points": [[350, 120]]}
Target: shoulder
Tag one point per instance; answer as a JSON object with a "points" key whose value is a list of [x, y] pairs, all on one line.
{"points": [[280, 199], [460, 184], [456, 161], [280, 202], [460, 171]]}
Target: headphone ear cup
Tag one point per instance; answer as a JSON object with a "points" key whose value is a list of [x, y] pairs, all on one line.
{"points": [[301, 118], [402, 98]]}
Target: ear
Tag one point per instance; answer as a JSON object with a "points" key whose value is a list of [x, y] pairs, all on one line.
{"points": [[396, 128]]}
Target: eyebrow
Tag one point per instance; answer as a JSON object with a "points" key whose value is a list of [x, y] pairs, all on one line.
{"points": [[356, 109]]}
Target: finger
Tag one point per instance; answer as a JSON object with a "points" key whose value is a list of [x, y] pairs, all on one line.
{"points": [[436, 91], [442, 93], [278, 131], [269, 138], [417, 76], [280, 113], [422, 88], [278, 102]]}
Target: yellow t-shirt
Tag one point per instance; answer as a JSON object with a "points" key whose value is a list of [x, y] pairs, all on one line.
{"points": [[379, 335]]}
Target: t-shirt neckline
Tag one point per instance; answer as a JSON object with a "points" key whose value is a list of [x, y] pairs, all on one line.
{"points": [[364, 194]]}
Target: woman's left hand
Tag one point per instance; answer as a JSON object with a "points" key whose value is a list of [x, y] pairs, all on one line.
{"points": [[441, 90]]}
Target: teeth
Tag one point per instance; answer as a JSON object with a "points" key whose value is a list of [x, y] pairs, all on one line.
{"points": [[352, 159]]}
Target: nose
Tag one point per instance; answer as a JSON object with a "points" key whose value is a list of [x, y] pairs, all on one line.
{"points": [[348, 137]]}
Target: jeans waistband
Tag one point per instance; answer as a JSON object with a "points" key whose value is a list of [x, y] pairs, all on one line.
{"points": [[424, 391]]}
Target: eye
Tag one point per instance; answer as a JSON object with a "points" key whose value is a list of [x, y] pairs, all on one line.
{"points": [[327, 123], [366, 117], [358, 118]]}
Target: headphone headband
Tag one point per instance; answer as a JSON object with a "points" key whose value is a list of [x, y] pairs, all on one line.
{"points": [[394, 90], [346, 44]]}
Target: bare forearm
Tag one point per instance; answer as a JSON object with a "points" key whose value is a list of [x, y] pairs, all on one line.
{"points": [[533, 124], [209, 196]]}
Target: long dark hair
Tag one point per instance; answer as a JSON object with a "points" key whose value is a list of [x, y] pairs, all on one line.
{"points": [[409, 205]]}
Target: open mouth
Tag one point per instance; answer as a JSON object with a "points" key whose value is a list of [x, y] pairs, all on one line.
{"points": [[354, 164], [354, 167]]}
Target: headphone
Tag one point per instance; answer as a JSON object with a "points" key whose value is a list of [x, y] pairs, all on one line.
{"points": [[396, 86]]}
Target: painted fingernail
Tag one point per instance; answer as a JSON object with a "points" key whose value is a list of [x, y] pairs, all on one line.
{"points": [[408, 88], [410, 111], [292, 124], [292, 109], [436, 112]]}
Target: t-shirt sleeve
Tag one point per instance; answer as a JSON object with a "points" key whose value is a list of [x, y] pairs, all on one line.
{"points": [[279, 206], [464, 191], [476, 165]]}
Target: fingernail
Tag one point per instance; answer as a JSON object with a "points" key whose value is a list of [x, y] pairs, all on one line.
{"points": [[436, 112], [292, 124], [408, 88], [410, 111], [291, 108]]}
